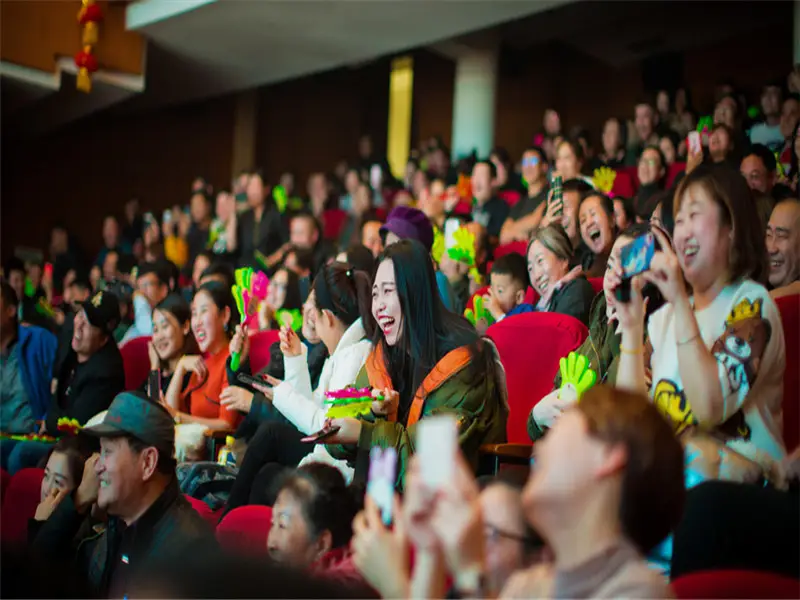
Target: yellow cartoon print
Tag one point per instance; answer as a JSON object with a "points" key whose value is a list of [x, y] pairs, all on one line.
{"points": [[671, 402]]}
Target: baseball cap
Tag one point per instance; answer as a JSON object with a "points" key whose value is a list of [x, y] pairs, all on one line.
{"points": [[102, 311], [410, 223], [133, 414]]}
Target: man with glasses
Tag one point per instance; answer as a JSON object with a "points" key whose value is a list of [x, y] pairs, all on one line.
{"points": [[526, 214]]}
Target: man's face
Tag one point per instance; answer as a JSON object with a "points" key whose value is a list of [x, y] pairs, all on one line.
{"points": [[110, 266], [303, 233], [371, 237], [504, 524], [789, 116], [86, 339], [783, 243], [644, 121], [482, 182], [152, 289], [316, 186], [59, 240], [199, 208], [120, 472], [754, 171], [110, 232], [771, 101], [650, 168]]}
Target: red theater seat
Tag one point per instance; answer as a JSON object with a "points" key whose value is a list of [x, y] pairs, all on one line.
{"points": [[204, 510], [260, 344], [245, 530], [520, 248], [735, 584], [333, 221], [19, 505], [790, 316], [136, 361]]}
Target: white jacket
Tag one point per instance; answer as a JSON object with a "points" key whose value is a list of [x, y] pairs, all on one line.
{"points": [[305, 408]]}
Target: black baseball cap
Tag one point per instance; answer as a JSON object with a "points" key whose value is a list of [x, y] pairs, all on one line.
{"points": [[102, 311], [133, 414]]}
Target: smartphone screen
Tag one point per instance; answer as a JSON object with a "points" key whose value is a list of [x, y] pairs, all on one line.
{"points": [[154, 386], [437, 445], [381, 480], [558, 194], [450, 228], [693, 142], [636, 256]]}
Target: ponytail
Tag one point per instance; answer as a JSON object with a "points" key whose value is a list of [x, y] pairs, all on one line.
{"points": [[344, 291]]}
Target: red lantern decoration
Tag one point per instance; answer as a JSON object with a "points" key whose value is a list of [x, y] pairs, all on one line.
{"points": [[87, 64], [89, 16]]}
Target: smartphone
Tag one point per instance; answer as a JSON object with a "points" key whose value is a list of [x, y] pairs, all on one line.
{"points": [[693, 142], [450, 228], [558, 194], [154, 386], [636, 256], [375, 177], [436, 447], [251, 380], [381, 480], [327, 431]]}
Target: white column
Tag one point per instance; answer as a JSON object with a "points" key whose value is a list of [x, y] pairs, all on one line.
{"points": [[473, 103]]}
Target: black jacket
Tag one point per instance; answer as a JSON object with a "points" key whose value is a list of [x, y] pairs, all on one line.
{"points": [[90, 390], [266, 236], [109, 559], [573, 299]]}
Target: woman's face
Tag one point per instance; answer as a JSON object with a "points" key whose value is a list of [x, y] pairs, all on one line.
{"points": [[650, 168], [702, 241], [545, 269], [351, 181], [597, 229], [198, 208], [668, 148], [276, 290], [226, 205], [612, 136], [169, 336], [56, 475], [208, 322], [620, 218], [725, 112], [567, 164], [310, 319], [613, 258], [662, 102], [362, 200], [290, 541], [386, 309]]}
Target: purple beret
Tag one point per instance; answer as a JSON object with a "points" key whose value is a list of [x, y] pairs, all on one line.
{"points": [[410, 223]]}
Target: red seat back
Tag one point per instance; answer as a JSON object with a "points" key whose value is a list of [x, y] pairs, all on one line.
{"points": [[790, 316], [5, 479], [624, 185], [735, 584], [672, 172], [510, 197], [204, 510], [530, 363], [20, 502], [520, 248], [136, 362], [597, 284], [333, 221], [245, 530], [260, 344]]}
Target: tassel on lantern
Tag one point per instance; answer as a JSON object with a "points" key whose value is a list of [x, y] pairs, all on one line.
{"points": [[90, 31], [84, 83]]}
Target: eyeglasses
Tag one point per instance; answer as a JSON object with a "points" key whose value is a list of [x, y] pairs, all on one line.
{"points": [[530, 162], [650, 162]]}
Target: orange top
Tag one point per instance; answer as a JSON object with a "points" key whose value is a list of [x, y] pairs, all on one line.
{"points": [[204, 400], [453, 361]]}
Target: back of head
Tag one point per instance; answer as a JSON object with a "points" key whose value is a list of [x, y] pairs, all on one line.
{"points": [[762, 152], [361, 258], [576, 185], [344, 291], [219, 271], [653, 490]]}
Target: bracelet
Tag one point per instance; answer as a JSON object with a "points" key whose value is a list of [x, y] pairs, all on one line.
{"points": [[691, 339], [624, 350]]}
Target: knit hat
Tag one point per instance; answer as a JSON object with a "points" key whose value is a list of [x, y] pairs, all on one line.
{"points": [[410, 223]]}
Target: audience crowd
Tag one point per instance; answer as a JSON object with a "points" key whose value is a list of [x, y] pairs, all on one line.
{"points": [[368, 282]]}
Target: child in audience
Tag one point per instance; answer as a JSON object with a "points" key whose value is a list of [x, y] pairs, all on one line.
{"points": [[426, 360], [717, 356], [508, 283]]}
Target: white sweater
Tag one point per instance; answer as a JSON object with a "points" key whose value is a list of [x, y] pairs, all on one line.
{"points": [[306, 408]]}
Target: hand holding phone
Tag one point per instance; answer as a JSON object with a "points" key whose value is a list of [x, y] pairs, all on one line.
{"points": [[634, 259], [318, 437], [557, 196], [381, 480]]}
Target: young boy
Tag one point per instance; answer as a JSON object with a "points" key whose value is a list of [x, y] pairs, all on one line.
{"points": [[508, 284]]}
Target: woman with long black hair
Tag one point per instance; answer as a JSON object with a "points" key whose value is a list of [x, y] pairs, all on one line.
{"points": [[426, 361]]}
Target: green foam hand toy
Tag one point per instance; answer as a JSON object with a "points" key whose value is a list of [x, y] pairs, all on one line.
{"points": [[437, 250], [281, 198], [576, 376], [352, 409], [464, 248], [290, 318], [479, 313]]}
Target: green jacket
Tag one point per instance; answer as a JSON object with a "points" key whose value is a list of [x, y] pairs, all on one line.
{"points": [[602, 350], [478, 400]]}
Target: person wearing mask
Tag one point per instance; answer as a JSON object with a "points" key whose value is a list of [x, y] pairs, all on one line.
{"points": [[133, 480], [768, 133], [572, 192], [488, 210], [214, 315], [652, 171], [644, 124], [260, 228], [759, 169], [339, 297], [598, 232], [613, 140], [27, 356], [425, 361], [525, 216], [718, 356], [560, 290], [602, 347], [172, 340], [152, 283], [111, 241], [783, 246]]}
